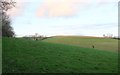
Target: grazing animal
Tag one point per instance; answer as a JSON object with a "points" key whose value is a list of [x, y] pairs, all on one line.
{"points": [[93, 46], [36, 39]]}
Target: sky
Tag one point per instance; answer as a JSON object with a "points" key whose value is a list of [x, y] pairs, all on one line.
{"points": [[65, 17]]}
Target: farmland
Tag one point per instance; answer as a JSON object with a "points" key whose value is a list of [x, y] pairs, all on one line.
{"points": [[86, 41], [59, 55]]}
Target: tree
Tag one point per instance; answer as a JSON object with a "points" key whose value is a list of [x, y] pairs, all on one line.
{"points": [[103, 35], [5, 24]]}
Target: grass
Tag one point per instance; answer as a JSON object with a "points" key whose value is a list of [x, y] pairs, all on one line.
{"points": [[0, 55], [87, 42], [27, 56]]}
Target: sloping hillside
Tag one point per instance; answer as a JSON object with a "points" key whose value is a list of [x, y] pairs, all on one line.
{"points": [[28, 56], [86, 41]]}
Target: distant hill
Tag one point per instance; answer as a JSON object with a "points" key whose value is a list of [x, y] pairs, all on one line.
{"points": [[86, 41]]}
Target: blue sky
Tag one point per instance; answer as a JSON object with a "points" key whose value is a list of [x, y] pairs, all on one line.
{"points": [[90, 19]]}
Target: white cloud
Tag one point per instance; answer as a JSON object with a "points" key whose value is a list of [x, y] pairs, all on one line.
{"points": [[58, 8]]}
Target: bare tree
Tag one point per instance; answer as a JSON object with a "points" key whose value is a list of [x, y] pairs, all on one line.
{"points": [[5, 23]]}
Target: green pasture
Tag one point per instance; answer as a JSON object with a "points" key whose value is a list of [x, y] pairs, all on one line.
{"points": [[59, 55], [87, 42]]}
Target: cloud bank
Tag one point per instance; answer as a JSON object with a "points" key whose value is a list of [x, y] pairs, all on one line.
{"points": [[60, 8], [56, 8]]}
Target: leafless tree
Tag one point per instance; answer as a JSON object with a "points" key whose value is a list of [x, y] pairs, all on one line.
{"points": [[5, 23]]}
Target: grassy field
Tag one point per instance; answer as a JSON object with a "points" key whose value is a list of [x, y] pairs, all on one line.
{"points": [[28, 56], [87, 42], [0, 55]]}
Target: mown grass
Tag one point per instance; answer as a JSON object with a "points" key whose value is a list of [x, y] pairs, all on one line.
{"points": [[87, 42], [27, 56]]}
